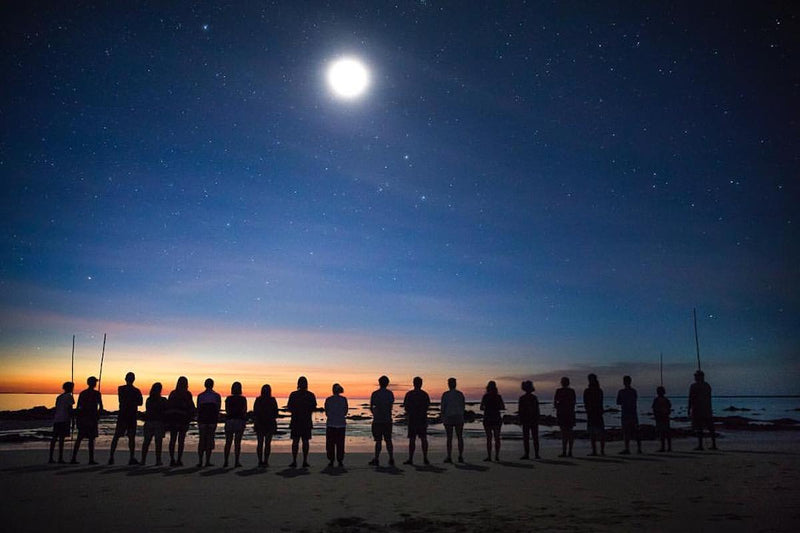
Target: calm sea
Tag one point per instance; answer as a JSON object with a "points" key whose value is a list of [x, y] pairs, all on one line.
{"points": [[358, 431]]}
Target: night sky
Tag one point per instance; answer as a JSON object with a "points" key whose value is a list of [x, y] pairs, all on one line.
{"points": [[521, 192]]}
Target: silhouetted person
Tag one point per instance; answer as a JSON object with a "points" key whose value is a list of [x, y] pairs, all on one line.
{"points": [[492, 405], [179, 414], [302, 403], [381, 403], [209, 403], [90, 405], [265, 414], [130, 398], [700, 409], [155, 408], [595, 425], [662, 408], [453, 405], [529, 419], [235, 420], [627, 399], [416, 404], [336, 424], [564, 402], [61, 420]]}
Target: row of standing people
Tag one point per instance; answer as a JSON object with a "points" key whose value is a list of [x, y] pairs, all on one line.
{"points": [[174, 414]]}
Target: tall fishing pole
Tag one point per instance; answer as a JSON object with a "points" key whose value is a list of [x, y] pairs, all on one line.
{"points": [[102, 355], [696, 341], [72, 379]]}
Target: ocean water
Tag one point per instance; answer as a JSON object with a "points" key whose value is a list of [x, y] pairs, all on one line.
{"points": [[359, 432]]}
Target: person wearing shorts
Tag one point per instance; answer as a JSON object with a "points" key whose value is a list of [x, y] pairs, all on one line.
{"points": [[90, 405], [61, 420], [154, 409], [492, 406], [130, 398], [301, 405], [564, 402], [235, 419], [453, 404], [381, 403], [179, 414]]}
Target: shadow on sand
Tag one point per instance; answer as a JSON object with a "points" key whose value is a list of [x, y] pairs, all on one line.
{"points": [[82, 470], [181, 471], [256, 470], [430, 468], [472, 467], [289, 473], [515, 464], [558, 462], [392, 470], [334, 470]]}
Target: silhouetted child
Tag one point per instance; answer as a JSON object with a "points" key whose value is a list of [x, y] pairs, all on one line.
{"points": [[336, 424], [235, 419], [492, 405], [179, 414], [662, 408], [130, 398], [90, 405], [381, 403], [209, 403], [529, 419], [564, 401], [61, 420], [302, 403], [265, 415]]}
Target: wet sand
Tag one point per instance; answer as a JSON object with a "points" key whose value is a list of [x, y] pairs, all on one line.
{"points": [[750, 486]]}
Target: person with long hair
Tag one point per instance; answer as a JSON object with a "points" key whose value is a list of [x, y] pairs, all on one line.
{"points": [[492, 405], [177, 417], [235, 419], [265, 423], [154, 411]]}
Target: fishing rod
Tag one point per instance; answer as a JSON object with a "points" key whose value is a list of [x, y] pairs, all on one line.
{"points": [[72, 379], [102, 356], [696, 341], [662, 368]]}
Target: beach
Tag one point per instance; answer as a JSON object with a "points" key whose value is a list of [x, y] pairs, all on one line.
{"points": [[752, 484]]}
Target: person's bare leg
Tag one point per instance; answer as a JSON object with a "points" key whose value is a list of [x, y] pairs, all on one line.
{"points": [[448, 443], [306, 446], [535, 431], [295, 447], [412, 447], [267, 448], [497, 444], [227, 453], [424, 439], [460, 439], [145, 447], [237, 443]]}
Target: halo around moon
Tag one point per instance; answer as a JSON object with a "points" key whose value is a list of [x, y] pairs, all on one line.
{"points": [[348, 78]]}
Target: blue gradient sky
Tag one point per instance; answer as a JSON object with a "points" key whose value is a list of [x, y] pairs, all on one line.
{"points": [[522, 193]]}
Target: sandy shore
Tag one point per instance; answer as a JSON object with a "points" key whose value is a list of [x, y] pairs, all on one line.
{"points": [[750, 486]]}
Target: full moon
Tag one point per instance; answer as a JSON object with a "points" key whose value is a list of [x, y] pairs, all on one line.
{"points": [[348, 78]]}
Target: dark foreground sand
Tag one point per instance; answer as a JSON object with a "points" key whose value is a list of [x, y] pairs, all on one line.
{"points": [[744, 488]]}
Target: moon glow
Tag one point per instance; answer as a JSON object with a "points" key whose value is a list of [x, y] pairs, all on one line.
{"points": [[348, 78]]}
